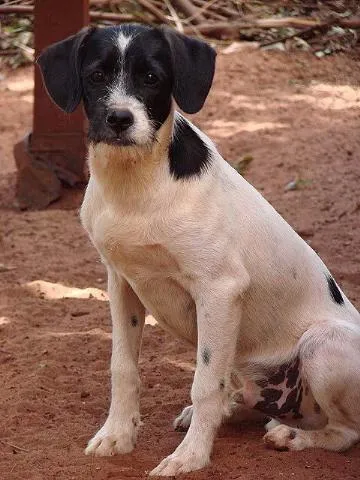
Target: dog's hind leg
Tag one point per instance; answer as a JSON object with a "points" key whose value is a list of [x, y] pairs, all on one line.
{"points": [[118, 434], [330, 357]]}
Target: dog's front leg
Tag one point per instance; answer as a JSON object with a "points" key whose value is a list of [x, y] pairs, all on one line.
{"points": [[218, 320], [118, 434]]}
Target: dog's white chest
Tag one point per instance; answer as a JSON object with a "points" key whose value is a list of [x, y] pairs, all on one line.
{"points": [[134, 250]]}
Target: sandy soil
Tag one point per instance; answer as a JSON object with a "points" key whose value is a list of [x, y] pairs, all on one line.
{"points": [[298, 117]]}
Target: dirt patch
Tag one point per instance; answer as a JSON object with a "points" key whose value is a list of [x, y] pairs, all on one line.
{"points": [[298, 117]]}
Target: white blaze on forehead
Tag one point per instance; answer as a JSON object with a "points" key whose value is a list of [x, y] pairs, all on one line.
{"points": [[123, 42]]}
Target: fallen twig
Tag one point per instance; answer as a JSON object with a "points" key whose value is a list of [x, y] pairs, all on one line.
{"points": [[154, 10], [12, 445], [175, 16], [188, 9], [113, 17], [303, 33]]}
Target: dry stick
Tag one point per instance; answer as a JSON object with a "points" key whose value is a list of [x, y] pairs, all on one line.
{"points": [[228, 12], [14, 446], [113, 17], [232, 28], [209, 28], [175, 16], [300, 34], [154, 10], [200, 11], [188, 9], [215, 16]]}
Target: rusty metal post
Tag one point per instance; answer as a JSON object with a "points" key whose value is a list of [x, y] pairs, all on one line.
{"points": [[55, 151]]}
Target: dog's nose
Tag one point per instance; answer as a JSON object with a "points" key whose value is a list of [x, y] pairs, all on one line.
{"points": [[120, 120]]}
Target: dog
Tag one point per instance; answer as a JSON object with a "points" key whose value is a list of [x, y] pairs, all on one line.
{"points": [[186, 237]]}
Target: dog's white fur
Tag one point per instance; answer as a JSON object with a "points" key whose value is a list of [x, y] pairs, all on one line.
{"points": [[216, 265]]}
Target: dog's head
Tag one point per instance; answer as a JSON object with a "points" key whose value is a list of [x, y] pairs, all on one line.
{"points": [[126, 77]]}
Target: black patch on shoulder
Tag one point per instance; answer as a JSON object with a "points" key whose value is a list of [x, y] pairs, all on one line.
{"points": [[206, 356], [222, 384], [134, 320], [334, 290], [188, 154]]}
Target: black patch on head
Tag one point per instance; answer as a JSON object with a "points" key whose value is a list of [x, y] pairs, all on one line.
{"points": [[206, 356], [87, 66], [60, 65], [188, 154], [334, 290], [193, 63], [146, 53], [271, 394], [222, 384], [134, 320]]}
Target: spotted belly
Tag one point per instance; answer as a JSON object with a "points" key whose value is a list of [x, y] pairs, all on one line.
{"points": [[281, 393]]}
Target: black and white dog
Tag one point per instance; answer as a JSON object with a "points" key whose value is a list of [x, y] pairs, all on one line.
{"points": [[183, 235]]}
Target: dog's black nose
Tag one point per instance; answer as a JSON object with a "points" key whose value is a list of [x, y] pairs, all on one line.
{"points": [[120, 120]]}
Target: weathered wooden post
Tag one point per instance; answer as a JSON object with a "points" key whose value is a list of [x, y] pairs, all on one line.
{"points": [[55, 150]]}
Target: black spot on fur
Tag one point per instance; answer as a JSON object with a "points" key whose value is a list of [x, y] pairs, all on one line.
{"points": [[292, 403], [262, 383], [334, 290], [297, 416], [278, 377], [134, 421], [292, 434], [188, 154], [222, 384], [134, 321], [271, 394], [293, 374], [206, 356]]}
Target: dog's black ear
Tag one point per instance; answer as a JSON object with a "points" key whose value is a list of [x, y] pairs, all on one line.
{"points": [[60, 67], [193, 66]]}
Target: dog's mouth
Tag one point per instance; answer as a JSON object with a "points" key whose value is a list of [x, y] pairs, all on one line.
{"points": [[117, 141], [120, 141]]}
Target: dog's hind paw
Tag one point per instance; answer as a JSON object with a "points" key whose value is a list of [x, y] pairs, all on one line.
{"points": [[114, 438], [182, 422]]}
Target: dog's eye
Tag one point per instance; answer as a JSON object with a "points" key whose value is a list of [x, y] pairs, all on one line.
{"points": [[97, 77], [151, 79]]}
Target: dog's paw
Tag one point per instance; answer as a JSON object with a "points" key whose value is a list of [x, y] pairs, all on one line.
{"points": [[182, 422], [114, 438], [175, 464], [282, 438]]}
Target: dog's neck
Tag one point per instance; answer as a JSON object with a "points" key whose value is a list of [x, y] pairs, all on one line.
{"points": [[126, 173]]}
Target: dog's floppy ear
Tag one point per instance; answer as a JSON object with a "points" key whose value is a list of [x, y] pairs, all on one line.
{"points": [[60, 67], [194, 66]]}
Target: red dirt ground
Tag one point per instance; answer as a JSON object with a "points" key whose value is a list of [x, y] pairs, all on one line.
{"points": [[298, 117]]}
